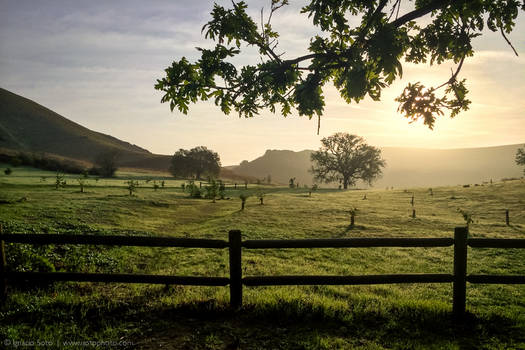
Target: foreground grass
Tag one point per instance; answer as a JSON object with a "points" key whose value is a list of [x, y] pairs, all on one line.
{"points": [[375, 317]]}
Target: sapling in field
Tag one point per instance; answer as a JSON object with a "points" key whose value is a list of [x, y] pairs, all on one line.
{"points": [[82, 183], [352, 212], [243, 196], [155, 185], [59, 181], [466, 216], [312, 189], [132, 186], [260, 195]]}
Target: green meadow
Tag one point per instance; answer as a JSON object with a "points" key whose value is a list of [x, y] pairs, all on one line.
{"points": [[289, 317]]}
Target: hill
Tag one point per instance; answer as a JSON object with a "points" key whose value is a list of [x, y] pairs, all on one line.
{"points": [[406, 167], [29, 127]]}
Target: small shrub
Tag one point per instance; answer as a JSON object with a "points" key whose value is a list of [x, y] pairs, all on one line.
{"points": [[8, 171], [222, 190], [155, 185], [212, 190], [193, 190]]}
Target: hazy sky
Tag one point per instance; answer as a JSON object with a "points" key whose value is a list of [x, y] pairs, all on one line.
{"points": [[95, 62]]}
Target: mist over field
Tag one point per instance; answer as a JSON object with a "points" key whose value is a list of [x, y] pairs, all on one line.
{"points": [[405, 167]]}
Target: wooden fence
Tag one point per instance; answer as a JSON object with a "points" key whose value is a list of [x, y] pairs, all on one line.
{"points": [[236, 281]]}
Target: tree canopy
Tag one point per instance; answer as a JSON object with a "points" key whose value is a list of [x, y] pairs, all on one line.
{"points": [[346, 158], [195, 162], [106, 163], [359, 60], [520, 157]]}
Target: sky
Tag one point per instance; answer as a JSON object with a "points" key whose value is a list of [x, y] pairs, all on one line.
{"points": [[96, 62]]}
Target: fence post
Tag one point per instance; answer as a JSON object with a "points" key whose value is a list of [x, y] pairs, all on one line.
{"points": [[235, 269], [507, 219], [3, 263], [460, 272]]}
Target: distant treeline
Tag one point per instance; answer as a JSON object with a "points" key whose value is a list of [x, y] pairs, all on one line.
{"points": [[44, 162]]}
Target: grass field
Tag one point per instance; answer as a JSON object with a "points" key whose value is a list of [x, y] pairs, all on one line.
{"points": [[315, 317]]}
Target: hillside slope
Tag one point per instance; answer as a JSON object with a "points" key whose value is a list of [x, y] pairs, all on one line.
{"points": [[407, 167], [29, 127]]}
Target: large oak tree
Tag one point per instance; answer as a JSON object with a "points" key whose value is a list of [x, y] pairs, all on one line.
{"points": [[359, 60], [346, 158], [195, 162]]}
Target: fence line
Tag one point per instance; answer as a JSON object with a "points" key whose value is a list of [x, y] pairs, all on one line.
{"points": [[236, 281]]}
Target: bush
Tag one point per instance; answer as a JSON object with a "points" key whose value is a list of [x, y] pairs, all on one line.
{"points": [[8, 171], [193, 190], [212, 190]]}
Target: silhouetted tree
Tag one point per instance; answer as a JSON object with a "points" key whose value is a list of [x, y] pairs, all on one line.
{"points": [[359, 47], [520, 158], [346, 158], [106, 163], [196, 162]]}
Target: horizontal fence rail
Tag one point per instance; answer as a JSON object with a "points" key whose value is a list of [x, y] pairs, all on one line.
{"points": [[348, 243], [496, 243], [346, 280], [236, 280]]}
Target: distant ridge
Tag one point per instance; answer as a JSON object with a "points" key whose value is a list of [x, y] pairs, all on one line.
{"points": [[406, 167], [26, 126]]}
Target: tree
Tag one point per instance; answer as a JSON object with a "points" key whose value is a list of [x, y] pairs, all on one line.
{"points": [[346, 158], [361, 49], [212, 190], [106, 163], [195, 162], [520, 157], [132, 186]]}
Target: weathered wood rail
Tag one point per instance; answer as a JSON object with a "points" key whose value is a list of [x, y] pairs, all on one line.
{"points": [[236, 281]]}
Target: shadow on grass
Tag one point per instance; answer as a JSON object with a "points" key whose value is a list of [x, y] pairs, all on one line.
{"points": [[281, 325]]}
